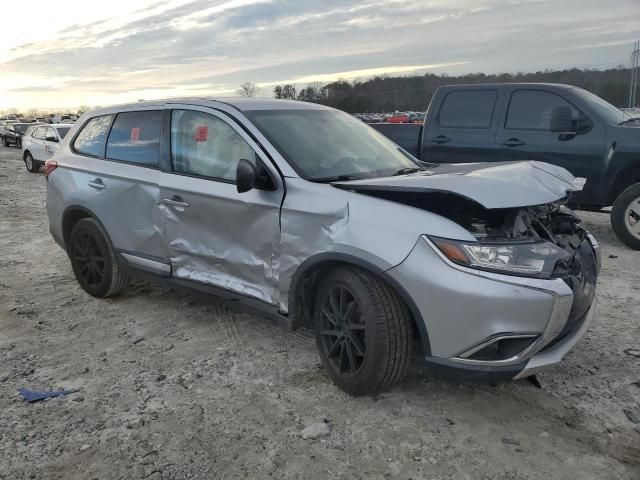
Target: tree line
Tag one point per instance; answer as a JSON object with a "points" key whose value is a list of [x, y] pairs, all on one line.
{"points": [[386, 93]]}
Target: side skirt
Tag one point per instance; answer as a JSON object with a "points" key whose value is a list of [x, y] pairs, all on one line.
{"points": [[230, 298]]}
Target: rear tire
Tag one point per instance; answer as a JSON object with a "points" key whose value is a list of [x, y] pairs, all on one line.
{"points": [[363, 331], [5, 142], [94, 261], [625, 216], [30, 163]]}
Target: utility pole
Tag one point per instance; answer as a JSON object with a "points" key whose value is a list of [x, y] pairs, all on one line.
{"points": [[634, 67]]}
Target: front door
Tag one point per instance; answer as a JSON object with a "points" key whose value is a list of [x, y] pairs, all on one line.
{"points": [[214, 234], [525, 135]]}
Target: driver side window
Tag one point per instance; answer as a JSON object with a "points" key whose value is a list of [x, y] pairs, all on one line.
{"points": [[204, 145]]}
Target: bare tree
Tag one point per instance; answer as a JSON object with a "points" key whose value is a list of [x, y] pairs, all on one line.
{"points": [[248, 90]]}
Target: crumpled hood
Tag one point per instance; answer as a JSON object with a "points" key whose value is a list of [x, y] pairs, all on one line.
{"points": [[492, 185]]}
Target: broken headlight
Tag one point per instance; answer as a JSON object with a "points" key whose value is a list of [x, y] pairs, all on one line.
{"points": [[530, 259]]}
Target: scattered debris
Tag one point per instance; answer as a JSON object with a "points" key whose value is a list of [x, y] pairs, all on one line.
{"points": [[509, 441], [85, 447], [634, 352], [160, 377], [4, 378], [613, 256], [534, 381], [633, 415], [78, 399], [316, 430], [137, 340], [35, 395]]}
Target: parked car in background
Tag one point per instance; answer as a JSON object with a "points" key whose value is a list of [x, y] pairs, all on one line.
{"points": [[40, 143], [559, 124], [13, 132], [399, 118], [308, 215]]}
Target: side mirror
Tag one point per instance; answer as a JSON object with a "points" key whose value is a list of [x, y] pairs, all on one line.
{"points": [[246, 176], [51, 139], [562, 120]]}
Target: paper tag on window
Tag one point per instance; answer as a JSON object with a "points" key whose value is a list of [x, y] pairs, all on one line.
{"points": [[135, 134], [202, 133]]}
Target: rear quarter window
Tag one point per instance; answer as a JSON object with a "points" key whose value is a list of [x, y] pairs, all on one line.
{"points": [[135, 138], [468, 109], [93, 136]]}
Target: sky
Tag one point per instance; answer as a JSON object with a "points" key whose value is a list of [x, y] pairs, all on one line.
{"points": [[69, 53]]}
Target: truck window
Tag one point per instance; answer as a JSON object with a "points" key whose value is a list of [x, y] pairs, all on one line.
{"points": [[531, 110], [468, 109]]}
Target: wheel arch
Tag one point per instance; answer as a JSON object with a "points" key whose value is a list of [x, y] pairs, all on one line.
{"points": [[72, 215], [624, 178], [309, 273], [24, 155]]}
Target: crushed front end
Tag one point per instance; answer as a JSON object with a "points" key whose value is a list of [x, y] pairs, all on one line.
{"points": [[511, 303]]}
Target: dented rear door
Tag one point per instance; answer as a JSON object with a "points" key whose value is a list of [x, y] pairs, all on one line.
{"points": [[214, 234]]}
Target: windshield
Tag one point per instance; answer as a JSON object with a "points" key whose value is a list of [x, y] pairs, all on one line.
{"points": [[62, 132], [20, 128], [323, 144], [608, 112]]}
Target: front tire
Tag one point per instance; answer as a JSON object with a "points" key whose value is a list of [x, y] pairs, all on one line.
{"points": [[625, 216], [363, 331], [30, 163], [94, 261]]}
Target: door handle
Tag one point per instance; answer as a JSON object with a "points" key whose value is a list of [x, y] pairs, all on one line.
{"points": [[512, 142], [440, 139], [97, 183], [176, 201]]}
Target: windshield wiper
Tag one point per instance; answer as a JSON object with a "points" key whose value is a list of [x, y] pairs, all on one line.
{"points": [[629, 120], [335, 178], [404, 171]]}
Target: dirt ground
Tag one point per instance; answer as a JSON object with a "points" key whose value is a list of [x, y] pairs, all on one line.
{"points": [[176, 387]]}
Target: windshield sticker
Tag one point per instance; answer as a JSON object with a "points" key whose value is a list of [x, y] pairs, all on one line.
{"points": [[135, 134]]}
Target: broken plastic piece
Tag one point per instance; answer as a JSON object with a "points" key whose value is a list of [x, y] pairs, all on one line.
{"points": [[634, 352], [36, 395]]}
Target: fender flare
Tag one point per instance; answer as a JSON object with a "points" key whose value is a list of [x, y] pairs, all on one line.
{"points": [[326, 257]]}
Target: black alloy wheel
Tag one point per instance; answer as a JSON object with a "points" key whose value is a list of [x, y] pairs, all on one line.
{"points": [[343, 331], [89, 258]]}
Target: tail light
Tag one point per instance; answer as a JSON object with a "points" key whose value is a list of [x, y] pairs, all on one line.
{"points": [[49, 166]]}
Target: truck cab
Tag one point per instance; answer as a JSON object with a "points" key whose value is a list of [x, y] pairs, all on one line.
{"points": [[558, 124]]}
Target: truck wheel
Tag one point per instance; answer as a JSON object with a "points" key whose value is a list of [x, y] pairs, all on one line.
{"points": [[94, 261], [363, 331], [625, 216]]}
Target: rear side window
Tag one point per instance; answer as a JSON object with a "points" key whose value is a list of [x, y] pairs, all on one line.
{"points": [[532, 110], [468, 109], [135, 138], [93, 136], [39, 133]]}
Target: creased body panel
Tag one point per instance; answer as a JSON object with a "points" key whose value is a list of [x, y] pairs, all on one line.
{"points": [[502, 185], [223, 238], [318, 218], [127, 205]]}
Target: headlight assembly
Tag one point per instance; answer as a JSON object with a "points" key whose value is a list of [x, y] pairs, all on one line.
{"points": [[531, 259]]}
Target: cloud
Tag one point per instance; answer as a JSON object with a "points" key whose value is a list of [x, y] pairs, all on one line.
{"points": [[183, 46]]}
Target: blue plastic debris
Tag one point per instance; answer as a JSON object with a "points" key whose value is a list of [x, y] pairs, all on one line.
{"points": [[35, 395]]}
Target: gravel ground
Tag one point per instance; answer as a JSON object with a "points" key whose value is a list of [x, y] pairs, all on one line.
{"points": [[173, 386]]}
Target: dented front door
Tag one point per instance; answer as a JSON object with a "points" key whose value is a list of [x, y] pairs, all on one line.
{"points": [[214, 234]]}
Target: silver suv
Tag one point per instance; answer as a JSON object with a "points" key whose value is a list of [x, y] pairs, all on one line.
{"points": [[313, 218]]}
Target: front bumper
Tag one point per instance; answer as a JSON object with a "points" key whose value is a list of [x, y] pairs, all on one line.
{"points": [[464, 310]]}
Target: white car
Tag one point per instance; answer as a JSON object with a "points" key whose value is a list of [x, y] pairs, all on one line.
{"points": [[40, 142]]}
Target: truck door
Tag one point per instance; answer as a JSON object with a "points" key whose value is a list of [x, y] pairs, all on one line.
{"points": [[528, 133], [462, 127]]}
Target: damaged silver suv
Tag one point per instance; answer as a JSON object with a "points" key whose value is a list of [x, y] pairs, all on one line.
{"points": [[313, 218]]}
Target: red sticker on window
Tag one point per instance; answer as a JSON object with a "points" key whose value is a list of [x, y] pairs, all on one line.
{"points": [[135, 133], [202, 133]]}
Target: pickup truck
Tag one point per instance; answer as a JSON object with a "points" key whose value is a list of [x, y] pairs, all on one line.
{"points": [[558, 124]]}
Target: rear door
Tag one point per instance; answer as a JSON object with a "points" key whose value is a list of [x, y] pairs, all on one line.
{"points": [[525, 134], [115, 174], [214, 234], [462, 127], [50, 143], [36, 146]]}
